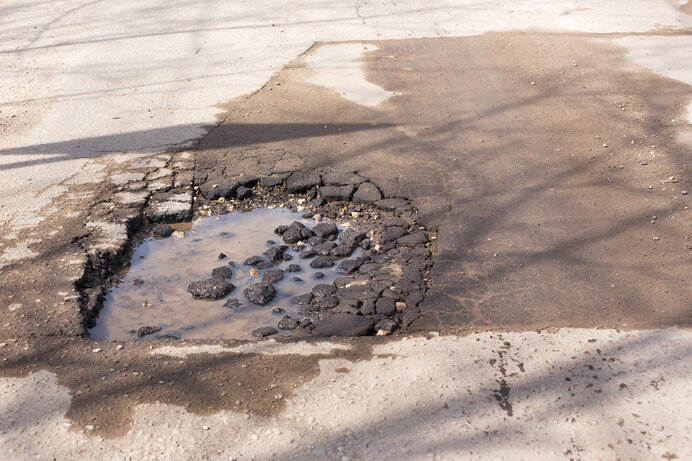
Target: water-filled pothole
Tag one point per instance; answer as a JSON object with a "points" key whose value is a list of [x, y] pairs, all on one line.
{"points": [[154, 292]]}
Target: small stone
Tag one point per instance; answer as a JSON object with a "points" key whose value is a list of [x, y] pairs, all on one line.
{"points": [[342, 250], [138, 282], [321, 262], [414, 298], [350, 265], [276, 253], [273, 276], [309, 253], [368, 308], [297, 279], [367, 193], [270, 181], [302, 181], [243, 193], [278, 310], [206, 428], [684, 192], [344, 308], [392, 233], [315, 240], [215, 189], [303, 299], [337, 193], [144, 331], [266, 265], [254, 272], [89, 427], [356, 292], [162, 231], [323, 290], [280, 230], [293, 235], [222, 256], [214, 288], [264, 331], [293, 268], [223, 272], [119, 347], [253, 260], [325, 229], [327, 303], [260, 293], [287, 324], [248, 180], [318, 275], [385, 306], [324, 248], [96, 350]]}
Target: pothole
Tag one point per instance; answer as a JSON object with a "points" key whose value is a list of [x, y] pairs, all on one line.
{"points": [[165, 291], [259, 261]]}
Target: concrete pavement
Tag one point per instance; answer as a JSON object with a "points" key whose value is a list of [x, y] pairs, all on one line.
{"points": [[105, 103]]}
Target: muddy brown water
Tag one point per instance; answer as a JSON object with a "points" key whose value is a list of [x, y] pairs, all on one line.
{"points": [[167, 266]]}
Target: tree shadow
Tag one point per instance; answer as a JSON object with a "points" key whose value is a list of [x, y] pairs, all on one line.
{"points": [[233, 135]]}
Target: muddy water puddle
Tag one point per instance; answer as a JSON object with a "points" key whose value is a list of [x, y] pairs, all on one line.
{"points": [[154, 291]]}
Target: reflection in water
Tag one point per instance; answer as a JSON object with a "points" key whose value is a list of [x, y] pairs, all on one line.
{"points": [[154, 290]]}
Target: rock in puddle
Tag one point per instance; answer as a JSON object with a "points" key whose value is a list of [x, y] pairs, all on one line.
{"points": [[287, 324], [223, 272], [162, 231], [253, 260], [276, 253], [264, 331], [303, 299], [214, 288], [148, 330], [321, 262], [261, 293], [273, 276]]}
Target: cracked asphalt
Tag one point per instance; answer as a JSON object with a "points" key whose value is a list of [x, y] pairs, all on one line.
{"points": [[549, 149]]}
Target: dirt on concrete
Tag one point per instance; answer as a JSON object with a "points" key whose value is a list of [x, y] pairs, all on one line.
{"points": [[107, 380], [544, 161]]}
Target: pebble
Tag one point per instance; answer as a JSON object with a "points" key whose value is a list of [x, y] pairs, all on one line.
{"points": [[89, 427], [119, 347], [206, 428], [684, 192], [96, 350]]}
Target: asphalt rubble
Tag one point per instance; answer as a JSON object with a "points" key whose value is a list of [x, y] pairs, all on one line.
{"points": [[383, 255]]}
